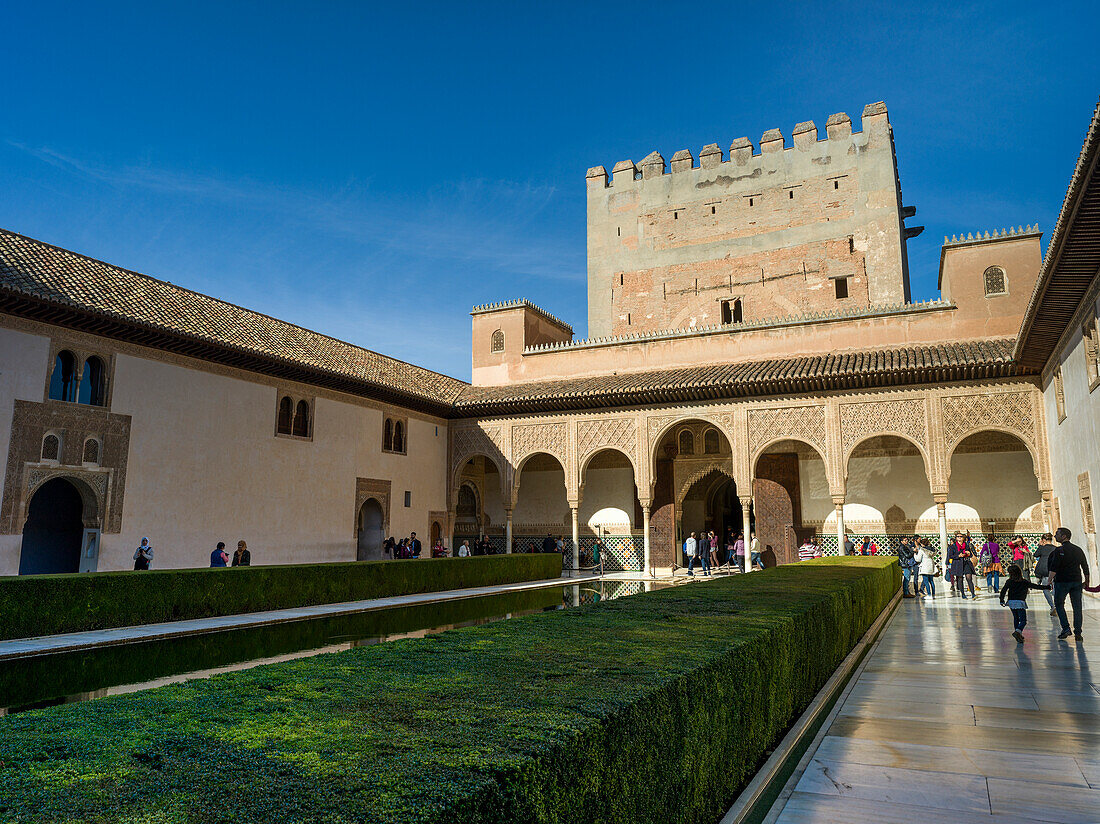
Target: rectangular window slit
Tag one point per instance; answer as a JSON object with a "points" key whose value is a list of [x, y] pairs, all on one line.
{"points": [[841, 285], [408, 499], [836, 184], [790, 194]]}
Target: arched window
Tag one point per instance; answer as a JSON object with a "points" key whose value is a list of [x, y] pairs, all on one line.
{"points": [[63, 379], [398, 437], [994, 280], [51, 448], [710, 442], [387, 436], [687, 442], [286, 416], [301, 420], [496, 343], [92, 384], [91, 451]]}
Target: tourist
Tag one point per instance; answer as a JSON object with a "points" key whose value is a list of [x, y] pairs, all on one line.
{"points": [[1022, 557], [597, 552], [1014, 594], [218, 558], [696, 553], [143, 555], [739, 551], [808, 550], [549, 544], [990, 561], [849, 547], [389, 548], [242, 557], [1069, 570], [1042, 555], [908, 572], [962, 567], [754, 551], [464, 550], [414, 545], [767, 558], [559, 545], [926, 567], [868, 547]]}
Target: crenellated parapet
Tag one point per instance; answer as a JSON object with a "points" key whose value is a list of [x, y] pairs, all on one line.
{"points": [[742, 152], [996, 234]]}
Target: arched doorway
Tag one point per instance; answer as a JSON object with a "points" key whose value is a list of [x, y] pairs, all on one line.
{"points": [[54, 530], [791, 496], [436, 534], [371, 525], [711, 504]]}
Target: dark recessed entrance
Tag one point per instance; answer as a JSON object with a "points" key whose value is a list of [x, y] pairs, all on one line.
{"points": [[53, 531]]}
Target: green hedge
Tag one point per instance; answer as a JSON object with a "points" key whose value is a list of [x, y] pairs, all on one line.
{"points": [[49, 604], [25, 681], [651, 708]]}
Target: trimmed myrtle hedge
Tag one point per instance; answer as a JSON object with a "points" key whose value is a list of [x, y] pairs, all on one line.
{"points": [[49, 604], [651, 708]]}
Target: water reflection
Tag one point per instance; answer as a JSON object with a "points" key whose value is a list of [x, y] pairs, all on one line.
{"points": [[42, 681]]}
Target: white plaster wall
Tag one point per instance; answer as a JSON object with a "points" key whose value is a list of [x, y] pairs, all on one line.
{"points": [[817, 501], [542, 500], [1074, 447], [608, 499], [24, 365], [877, 483], [994, 484], [205, 465], [494, 500]]}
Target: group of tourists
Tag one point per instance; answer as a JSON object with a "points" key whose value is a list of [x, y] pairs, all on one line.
{"points": [[143, 555], [241, 557], [707, 551], [1057, 565]]}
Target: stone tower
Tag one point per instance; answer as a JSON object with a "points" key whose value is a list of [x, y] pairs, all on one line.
{"points": [[787, 230]]}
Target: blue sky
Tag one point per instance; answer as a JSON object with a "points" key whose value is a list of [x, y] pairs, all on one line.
{"points": [[372, 170]]}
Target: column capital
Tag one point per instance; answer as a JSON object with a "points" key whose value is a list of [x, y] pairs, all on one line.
{"points": [[574, 504], [746, 501], [941, 502], [646, 505], [838, 501]]}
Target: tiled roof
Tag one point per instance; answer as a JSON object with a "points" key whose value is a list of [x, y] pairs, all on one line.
{"points": [[60, 282], [1072, 259], [970, 360]]}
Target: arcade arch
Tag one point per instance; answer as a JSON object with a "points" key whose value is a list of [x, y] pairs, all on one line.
{"points": [[479, 501], [791, 496], [541, 501], [1013, 504], [609, 502], [887, 489]]}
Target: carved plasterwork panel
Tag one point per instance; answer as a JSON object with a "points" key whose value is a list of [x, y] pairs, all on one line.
{"points": [[551, 438], [806, 423], [722, 468], [617, 433], [904, 417], [467, 441], [1011, 411], [73, 424]]}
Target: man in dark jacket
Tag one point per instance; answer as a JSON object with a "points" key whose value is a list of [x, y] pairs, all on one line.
{"points": [[549, 544], [414, 545], [1069, 570]]}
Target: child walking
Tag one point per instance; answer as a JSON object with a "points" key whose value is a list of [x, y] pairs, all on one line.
{"points": [[1014, 592]]}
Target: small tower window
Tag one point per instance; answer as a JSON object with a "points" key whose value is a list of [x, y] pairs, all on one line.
{"points": [[301, 420], [63, 378], [841, 287], [994, 280], [91, 451], [398, 437], [790, 194], [687, 442], [387, 436], [51, 448], [286, 416], [92, 384], [496, 343], [738, 317], [710, 442], [836, 184]]}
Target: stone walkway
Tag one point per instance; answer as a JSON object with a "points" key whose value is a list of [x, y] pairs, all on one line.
{"points": [[950, 721], [48, 644]]}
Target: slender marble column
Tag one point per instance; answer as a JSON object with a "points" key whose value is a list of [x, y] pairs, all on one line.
{"points": [[508, 531], [647, 562], [941, 512], [840, 536], [576, 540], [746, 512]]}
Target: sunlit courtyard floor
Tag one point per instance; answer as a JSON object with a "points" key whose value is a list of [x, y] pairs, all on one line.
{"points": [[950, 721]]}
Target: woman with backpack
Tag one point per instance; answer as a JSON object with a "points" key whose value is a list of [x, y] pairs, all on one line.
{"points": [[990, 561]]}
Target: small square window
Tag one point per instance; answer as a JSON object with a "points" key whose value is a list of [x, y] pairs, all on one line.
{"points": [[790, 194], [712, 210], [408, 499], [675, 215], [841, 286], [836, 184], [750, 201]]}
